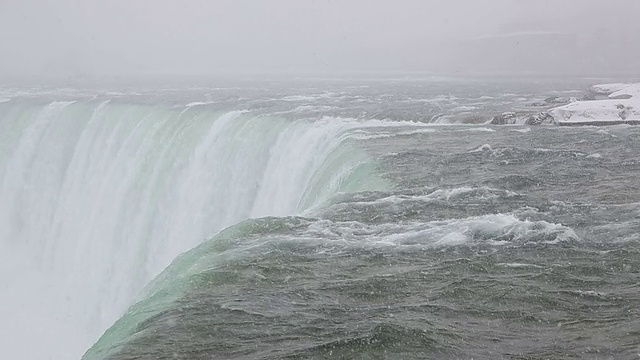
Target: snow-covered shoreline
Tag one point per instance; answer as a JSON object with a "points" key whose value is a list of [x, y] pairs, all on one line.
{"points": [[622, 106]]}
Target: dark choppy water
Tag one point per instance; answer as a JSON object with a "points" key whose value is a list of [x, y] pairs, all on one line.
{"points": [[494, 243]]}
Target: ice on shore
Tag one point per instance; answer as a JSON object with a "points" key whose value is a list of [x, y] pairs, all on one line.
{"points": [[617, 91], [622, 106]]}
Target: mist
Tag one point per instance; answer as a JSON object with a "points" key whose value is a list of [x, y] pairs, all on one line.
{"points": [[74, 38]]}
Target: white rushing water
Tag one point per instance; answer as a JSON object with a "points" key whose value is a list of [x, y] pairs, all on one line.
{"points": [[96, 198]]}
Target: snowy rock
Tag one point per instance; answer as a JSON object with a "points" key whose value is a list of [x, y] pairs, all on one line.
{"points": [[606, 89], [621, 107], [525, 118], [617, 91], [556, 100], [540, 119], [506, 118], [627, 93]]}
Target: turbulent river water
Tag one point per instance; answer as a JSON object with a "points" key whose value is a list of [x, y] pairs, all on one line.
{"points": [[361, 219]]}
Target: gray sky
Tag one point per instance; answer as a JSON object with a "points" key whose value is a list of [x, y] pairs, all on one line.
{"points": [[125, 37]]}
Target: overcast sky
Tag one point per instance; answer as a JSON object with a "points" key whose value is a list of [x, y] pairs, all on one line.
{"points": [[129, 37]]}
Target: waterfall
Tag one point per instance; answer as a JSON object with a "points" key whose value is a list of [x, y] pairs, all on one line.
{"points": [[97, 197]]}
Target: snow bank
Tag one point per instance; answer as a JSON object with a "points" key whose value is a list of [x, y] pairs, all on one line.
{"points": [[622, 107], [617, 91], [606, 89], [628, 92]]}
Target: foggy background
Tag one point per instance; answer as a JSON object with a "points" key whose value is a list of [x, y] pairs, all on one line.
{"points": [[84, 38]]}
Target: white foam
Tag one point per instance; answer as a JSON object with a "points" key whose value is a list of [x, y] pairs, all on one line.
{"points": [[482, 193], [437, 99], [308, 98], [519, 265], [366, 135], [465, 108], [307, 109], [494, 230], [589, 293], [481, 148], [478, 129], [200, 103]]}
